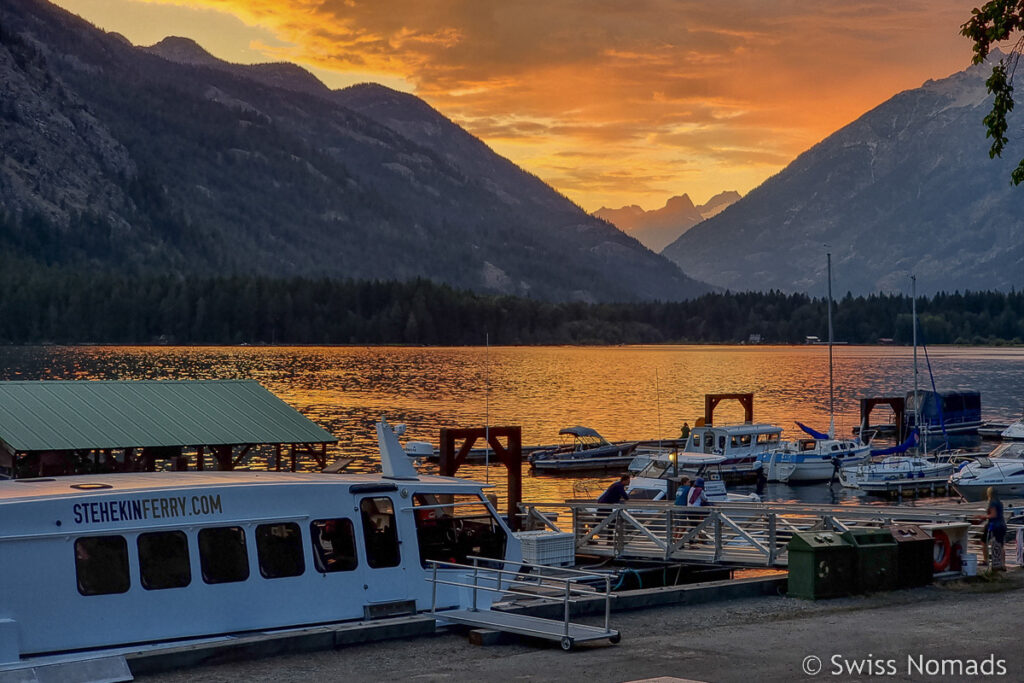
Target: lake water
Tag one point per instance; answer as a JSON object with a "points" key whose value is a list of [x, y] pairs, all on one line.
{"points": [[632, 392]]}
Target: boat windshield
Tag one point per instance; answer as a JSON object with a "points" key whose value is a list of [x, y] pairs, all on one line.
{"points": [[1008, 450], [655, 469]]}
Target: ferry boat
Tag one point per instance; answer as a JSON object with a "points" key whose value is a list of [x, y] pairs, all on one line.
{"points": [[740, 446], [106, 561]]}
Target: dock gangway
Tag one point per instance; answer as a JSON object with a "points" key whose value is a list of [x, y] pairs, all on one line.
{"points": [[537, 582], [732, 534]]}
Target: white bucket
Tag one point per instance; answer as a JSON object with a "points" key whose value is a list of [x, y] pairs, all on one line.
{"points": [[970, 564]]}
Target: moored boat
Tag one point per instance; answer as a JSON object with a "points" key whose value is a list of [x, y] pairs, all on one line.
{"points": [[586, 450], [739, 445], [1014, 431], [653, 473], [1003, 470], [811, 460], [894, 470]]}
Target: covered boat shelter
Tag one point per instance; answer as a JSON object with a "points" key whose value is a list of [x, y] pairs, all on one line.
{"points": [[50, 428]]}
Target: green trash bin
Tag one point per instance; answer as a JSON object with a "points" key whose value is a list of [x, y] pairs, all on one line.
{"points": [[820, 565], [914, 555], [874, 565]]}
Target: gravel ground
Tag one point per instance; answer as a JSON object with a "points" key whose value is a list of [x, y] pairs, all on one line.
{"points": [[767, 638]]}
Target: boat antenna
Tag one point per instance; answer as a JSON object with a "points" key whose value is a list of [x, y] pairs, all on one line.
{"points": [[487, 407], [831, 391]]}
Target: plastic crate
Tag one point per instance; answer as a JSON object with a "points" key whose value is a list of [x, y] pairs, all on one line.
{"points": [[548, 548]]}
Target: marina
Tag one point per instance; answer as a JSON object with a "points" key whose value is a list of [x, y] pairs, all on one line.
{"points": [[468, 565]]}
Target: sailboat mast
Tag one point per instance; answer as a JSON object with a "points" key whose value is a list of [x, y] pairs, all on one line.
{"points": [[917, 398], [831, 391]]}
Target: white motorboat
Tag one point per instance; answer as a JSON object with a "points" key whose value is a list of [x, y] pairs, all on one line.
{"points": [[1002, 469], [739, 445], [107, 561], [654, 472], [808, 460], [1015, 431], [894, 469]]}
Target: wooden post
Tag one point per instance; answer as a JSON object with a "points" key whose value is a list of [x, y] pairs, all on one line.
{"points": [[200, 456], [225, 461], [292, 449], [277, 457]]}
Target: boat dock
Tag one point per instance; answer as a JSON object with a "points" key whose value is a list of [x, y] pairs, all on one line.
{"points": [[732, 535]]}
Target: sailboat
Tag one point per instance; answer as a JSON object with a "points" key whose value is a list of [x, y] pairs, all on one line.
{"points": [[896, 466], [815, 458]]}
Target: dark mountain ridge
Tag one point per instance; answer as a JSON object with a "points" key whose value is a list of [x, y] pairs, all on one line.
{"points": [[907, 188], [124, 157]]}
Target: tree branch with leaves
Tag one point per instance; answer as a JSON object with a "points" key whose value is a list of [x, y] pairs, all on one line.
{"points": [[996, 21]]}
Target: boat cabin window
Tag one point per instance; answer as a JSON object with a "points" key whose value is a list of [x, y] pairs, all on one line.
{"points": [[101, 565], [279, 549], [453, 528], [380, 532], [721, 442], [222, 554], [163, 560], [334, 545], [766, 439], [696, 439]]}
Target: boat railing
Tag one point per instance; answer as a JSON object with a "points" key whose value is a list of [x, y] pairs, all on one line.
{"points": [[538, 582]]}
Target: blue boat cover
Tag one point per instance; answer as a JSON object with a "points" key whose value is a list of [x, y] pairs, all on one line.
{"points": [[903, 447], [816, 434]]}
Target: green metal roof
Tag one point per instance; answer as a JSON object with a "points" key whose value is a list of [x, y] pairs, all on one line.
{"points": [[64, 415]]}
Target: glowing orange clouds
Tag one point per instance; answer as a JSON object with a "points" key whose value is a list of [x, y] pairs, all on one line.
{"points": [[618, 102]]}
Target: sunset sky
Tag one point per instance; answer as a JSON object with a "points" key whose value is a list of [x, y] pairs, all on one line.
{"points": [[611, 102]]}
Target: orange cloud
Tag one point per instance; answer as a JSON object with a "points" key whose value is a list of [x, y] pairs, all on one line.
{"points": [[627, 102]]}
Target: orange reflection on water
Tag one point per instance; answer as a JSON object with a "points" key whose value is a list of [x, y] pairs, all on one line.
{"points": [[625, 393]]}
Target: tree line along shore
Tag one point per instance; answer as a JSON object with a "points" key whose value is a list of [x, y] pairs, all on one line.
{"points": [[62, 306]]}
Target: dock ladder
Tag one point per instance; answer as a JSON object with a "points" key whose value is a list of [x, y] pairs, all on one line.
{"points": [[539, 582]]}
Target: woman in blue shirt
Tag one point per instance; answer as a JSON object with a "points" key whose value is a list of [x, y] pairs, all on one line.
{"points": [[995, 532]]}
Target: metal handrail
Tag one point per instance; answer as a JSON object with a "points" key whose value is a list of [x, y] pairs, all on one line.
{"points": [[568, 586], [737, 533]]}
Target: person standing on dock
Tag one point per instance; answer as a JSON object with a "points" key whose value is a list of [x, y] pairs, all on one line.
{"points": [[697, 496], [684, 432], [683, 494], [616, 493], [995, 533]]}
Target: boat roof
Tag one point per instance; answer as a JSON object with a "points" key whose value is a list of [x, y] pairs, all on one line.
{"points": [[580, 431], [64, 415], [753, 428], [699, 459], [155, 482]]}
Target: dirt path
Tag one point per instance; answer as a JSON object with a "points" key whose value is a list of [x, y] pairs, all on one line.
{"points": [[755, 640]]}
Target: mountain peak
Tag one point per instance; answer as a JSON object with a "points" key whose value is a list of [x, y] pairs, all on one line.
{"points": [[183, 51], [679, 203]]}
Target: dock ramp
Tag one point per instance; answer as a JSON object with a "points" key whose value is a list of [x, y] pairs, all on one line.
{"points": [[538, 582]]}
